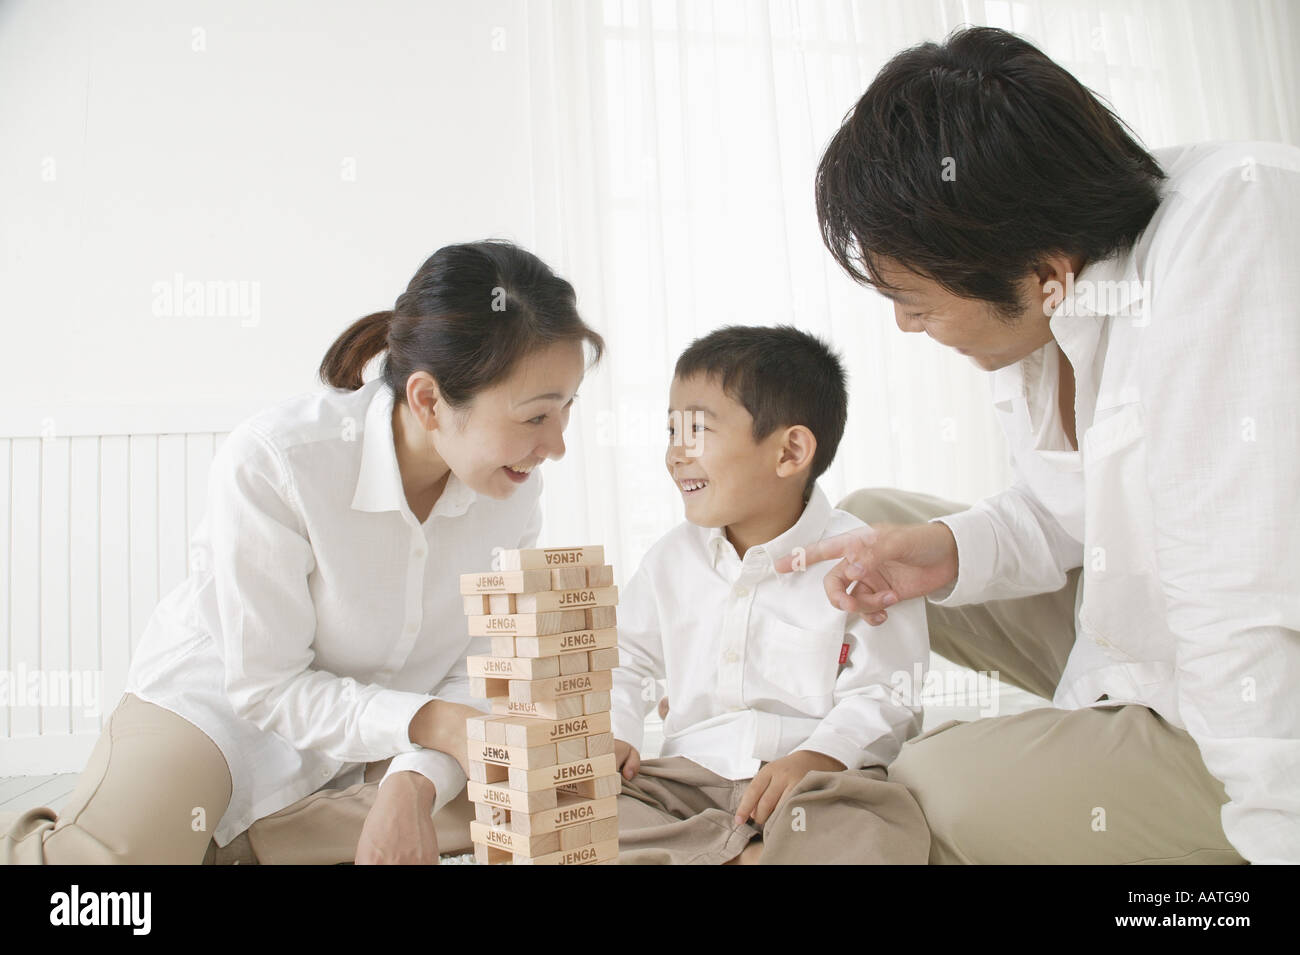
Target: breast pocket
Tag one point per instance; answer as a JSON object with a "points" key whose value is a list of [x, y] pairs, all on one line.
{"points": [[1122, 608], [794, 664]]}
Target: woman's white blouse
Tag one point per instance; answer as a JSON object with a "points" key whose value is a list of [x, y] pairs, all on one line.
{"points": [[319, 614]]}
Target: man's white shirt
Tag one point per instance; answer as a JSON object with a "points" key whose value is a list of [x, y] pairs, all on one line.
{"points": [[752, 658], [319, 614], [1182, 505]]}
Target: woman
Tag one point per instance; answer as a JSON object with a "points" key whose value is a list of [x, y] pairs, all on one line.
{"points": [[321, 632]]}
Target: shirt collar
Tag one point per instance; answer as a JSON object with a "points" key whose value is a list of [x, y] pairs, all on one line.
{"points": [[1109, 288], [810, 527], [379, 483]]}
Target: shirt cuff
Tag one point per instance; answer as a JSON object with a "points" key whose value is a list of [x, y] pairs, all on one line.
{"points": [[440, 769], [836, 747], [386, 722], [976, 550]]}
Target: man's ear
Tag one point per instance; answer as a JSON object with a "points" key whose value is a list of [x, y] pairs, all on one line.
{"points": [[425, 400], [798, 447]]}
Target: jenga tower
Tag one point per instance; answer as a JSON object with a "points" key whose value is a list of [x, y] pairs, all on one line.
{"points": [[543, 777]]}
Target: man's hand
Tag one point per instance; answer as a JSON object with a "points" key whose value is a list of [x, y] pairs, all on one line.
{"points": [[440, 725], [770, 786], [883, 564], [399, 827], [628, 759]]}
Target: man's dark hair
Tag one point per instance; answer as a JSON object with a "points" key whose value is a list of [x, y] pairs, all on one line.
{"points": [[970, 161], [782, 376]]}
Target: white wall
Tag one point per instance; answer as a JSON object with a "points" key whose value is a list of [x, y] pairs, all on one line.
{"points": [[316, 152]]}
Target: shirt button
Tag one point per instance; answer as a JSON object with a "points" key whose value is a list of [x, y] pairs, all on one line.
{"points": [[411, 628], [742, 591], [732, 656], [418, 552]]}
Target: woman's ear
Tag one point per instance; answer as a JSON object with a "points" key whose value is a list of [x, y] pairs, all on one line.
{"points": [[797, 451], [425, 400]]}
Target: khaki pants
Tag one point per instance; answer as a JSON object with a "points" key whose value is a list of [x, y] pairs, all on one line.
{"points": [[1115, 784], [136, 802], [676, 812]]}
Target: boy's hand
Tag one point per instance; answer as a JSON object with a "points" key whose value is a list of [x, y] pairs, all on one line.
{"points": [[628, 759], [769, 787], [883, 565]]}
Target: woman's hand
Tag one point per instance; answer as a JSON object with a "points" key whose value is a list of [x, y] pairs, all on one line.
{"points": [[399, 827], [883, 565], [440, 725]]}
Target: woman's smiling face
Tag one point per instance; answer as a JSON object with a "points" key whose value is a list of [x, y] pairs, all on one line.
{"points": [[514, 425]]}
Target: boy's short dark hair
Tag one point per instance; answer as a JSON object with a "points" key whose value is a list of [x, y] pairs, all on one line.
{"points": [[972, 160], [782, 376]]}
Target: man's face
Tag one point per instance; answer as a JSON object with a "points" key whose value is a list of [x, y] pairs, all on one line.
{"points": [[969, 326]]}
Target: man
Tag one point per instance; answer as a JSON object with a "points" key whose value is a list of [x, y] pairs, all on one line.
{"points": [[1140, 314]]}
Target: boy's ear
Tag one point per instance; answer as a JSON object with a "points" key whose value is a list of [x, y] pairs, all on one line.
{"points": [[797, 451]]}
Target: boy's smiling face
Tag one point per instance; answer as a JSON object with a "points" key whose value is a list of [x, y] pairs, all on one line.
{"points": [[725, 477]]}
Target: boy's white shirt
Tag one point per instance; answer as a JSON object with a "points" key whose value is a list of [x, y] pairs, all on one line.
{"points": [[751, 658]]}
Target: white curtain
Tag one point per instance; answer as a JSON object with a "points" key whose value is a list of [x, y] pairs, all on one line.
{"points": [[673, 149]]}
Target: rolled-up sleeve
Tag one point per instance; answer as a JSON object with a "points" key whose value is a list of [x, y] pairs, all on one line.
{"points": [[262, 559], [1008, 545]]}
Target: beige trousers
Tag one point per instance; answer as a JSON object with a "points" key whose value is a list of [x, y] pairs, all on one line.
{"points": [[676, 812], [1113, 784], [150, 772]]}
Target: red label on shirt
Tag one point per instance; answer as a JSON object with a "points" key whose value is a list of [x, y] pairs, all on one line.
{"points": [[844, 653]]}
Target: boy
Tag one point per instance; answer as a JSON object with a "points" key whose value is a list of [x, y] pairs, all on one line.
{"points": [[783, 717]]}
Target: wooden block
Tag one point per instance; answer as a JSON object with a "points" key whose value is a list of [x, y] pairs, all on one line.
{"points": [[529, 732], [476, 728], [569, 578], [533, 624], [527, 757], [500, 603], [515, 668], [486, 855], [549, 558], [599, 618], [504, 797], [601, 830], [551, 600], [481, 772], [514, 842], [562, 773], [496, 816], [511, 582], [476, 604], [556, 643], [595, 853], [531, 691], [488, 689], [557, 709], [568, 750], [597, 577], [597, 745], [605, 659], [579, 662], [569, 810], [505, 646], [596, 702], [599, 788], [573, 836]]}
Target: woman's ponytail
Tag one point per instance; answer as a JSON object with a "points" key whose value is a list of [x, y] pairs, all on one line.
{"points": [[352, 351]]}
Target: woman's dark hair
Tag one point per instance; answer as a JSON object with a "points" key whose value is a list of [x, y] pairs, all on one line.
{"points": [[970, 161], [468, 316]]}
